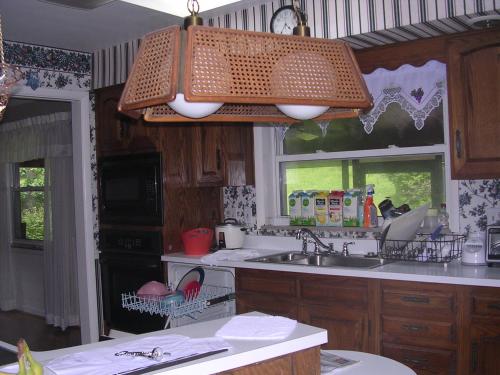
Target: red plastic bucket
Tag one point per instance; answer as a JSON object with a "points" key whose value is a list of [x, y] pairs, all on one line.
{"points": [[197, 241]]}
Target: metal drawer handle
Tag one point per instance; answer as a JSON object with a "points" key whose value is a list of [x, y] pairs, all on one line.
{"points": [[494, 306], [415, 328], [421, 363], [473, 354], [415, 299], [458, 144]]}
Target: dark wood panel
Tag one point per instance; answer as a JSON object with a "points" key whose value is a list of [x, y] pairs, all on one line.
{"points": [[423, 361], [267, 282], [348, 329], [474, 105], [418, 299], [485, 302], [348, 291], [304, 362], [248, 302], [420, 332], [188, 208]]}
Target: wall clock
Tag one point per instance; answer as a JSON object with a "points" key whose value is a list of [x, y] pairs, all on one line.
{"points": [[284, 20]]}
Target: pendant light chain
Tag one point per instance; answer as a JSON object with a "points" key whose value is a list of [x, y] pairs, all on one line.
{"points": [[193, 7], [1, 42]]}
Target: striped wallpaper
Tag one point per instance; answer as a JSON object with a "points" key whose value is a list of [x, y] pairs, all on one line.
{"points": [[362, 23]]}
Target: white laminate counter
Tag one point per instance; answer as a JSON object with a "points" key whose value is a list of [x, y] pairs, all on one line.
{"points": [[452, 273], [243, 352]]}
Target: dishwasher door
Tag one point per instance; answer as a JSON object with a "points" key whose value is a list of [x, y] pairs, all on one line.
{"points": [[214, 276]]}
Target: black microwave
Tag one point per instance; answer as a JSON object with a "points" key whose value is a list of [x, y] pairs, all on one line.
{"points": [[131, 189]]}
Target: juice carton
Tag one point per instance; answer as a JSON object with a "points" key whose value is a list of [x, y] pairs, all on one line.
{"points": [[308, 208], [321, 208], [335, 206], [295, 207], [350, 208]]}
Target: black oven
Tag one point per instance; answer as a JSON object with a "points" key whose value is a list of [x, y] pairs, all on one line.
{"points": [[131, 189], [128, 260]]}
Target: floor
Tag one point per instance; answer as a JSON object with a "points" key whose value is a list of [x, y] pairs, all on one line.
{"points": [[38, 335]]}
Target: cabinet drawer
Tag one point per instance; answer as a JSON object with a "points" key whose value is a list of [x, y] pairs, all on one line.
{"points": [[274, 283], [486, 305], [350, 292], [418, 332], [247, 302], [418, 302], [422, 361]]}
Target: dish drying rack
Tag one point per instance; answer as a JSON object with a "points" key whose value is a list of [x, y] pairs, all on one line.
{"points": [[207, 296], [442, 250]]}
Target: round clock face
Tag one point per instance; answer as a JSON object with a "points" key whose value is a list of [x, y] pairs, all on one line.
{"points": [[284, 20]]}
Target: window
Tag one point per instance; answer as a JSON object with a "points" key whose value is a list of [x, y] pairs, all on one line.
{"points": [[28, 200], [400, 146]]}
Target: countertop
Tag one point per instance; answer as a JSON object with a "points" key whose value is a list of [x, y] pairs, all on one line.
{"points": [[452, 273], [243, 352]]}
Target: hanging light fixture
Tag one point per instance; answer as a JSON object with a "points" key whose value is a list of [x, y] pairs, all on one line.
{"points": [[213, 74], [9, 75]]}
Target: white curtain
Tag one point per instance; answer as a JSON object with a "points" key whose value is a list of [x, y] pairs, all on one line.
{"points": [[418, 90], [61, 283], [48, 137]]}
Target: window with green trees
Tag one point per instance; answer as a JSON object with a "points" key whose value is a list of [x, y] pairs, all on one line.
{"points": [[404, 163], [28, 200]]}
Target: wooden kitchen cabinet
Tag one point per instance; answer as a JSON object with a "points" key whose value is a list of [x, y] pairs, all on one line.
{"points": [[222, 154], [483, 344], [303, 362], [474, 105], [115, 132], [207, 155], [419, 325], [273, 293], [337, 304]]}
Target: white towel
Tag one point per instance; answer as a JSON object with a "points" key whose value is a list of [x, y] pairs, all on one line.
{"points": [[229, 256], [103, 361], [257, 328]]}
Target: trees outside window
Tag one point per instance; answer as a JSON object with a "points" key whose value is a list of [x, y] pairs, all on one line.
{"points": [[28, 200]]}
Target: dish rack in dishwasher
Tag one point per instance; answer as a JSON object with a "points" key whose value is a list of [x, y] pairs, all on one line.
{"points": [[208, 295]]}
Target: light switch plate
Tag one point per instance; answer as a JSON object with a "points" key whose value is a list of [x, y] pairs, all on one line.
{"points": [[493, 216]]}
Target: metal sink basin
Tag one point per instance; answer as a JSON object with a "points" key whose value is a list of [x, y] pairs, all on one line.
{"points": [[320, 260], [280, 258]]}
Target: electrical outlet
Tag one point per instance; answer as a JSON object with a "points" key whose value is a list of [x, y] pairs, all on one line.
{"points": [[493, 216]]}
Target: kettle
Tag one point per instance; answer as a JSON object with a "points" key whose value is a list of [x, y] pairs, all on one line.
{"points": [[473, 251]]}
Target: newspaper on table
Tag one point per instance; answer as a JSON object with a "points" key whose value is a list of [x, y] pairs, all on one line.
{"points": [[330, 362]]}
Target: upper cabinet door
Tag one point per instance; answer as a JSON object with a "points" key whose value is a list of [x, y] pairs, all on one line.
{"points": [[474, 105], [115, 132], [207, 155]]}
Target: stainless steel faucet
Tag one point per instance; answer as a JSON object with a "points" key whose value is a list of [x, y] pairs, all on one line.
{"points": [[307, 236], [345, 248]]}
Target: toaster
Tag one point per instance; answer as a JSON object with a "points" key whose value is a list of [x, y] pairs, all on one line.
{"points": [[493, 244]]}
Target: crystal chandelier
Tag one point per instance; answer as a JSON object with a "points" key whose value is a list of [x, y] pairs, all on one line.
{"points": [[9, 75], [215, 74]]}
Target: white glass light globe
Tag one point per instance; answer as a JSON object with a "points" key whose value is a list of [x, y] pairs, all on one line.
{"points": [[193, 109], [302, 112]]}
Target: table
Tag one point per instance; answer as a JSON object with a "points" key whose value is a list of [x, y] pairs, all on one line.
{"points": [[370, 364]]}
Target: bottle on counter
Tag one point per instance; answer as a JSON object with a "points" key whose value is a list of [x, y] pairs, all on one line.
{"points": [[295, 207], [370, 219], [443, 217]]}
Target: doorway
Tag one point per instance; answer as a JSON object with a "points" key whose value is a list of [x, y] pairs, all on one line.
{"points": [[81, 150]]}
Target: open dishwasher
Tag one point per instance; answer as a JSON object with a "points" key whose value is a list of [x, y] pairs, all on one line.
{"points": [[215, 298]]}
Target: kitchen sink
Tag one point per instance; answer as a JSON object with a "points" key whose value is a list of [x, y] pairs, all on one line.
{"points": [[297, 258], [281, 258]]}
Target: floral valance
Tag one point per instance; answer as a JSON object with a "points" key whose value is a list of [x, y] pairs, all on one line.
{"points": [[417, 89]]}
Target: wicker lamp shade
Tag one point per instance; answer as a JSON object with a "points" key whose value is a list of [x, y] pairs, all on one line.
{"points": [[250, 72]]}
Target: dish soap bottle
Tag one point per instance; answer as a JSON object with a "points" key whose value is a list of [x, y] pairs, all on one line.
{"points": [[370, 219], [443, 218]]}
